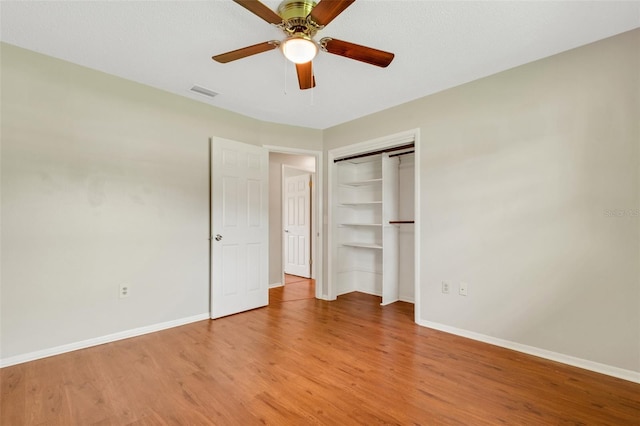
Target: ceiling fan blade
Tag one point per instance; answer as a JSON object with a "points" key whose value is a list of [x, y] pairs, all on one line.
{"points": [[260, 10], [223, 58], [306, 79], [327, 10], [369, 55]]}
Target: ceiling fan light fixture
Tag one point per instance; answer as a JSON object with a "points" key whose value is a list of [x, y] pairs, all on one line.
{"points": [[299, 49]]}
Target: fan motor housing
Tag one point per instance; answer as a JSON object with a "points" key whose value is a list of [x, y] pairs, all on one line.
{"points": [[294, 14], [289, 9]]}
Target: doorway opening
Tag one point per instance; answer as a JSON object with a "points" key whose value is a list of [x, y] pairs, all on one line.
{"points": [[290, 172], [374, 211]]}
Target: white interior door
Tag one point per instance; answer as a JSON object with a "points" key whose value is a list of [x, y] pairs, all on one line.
{"points": [[297, 225], [239, 227]]}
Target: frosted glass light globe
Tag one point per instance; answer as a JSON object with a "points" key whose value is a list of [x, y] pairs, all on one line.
{"points": [[299, 50]]}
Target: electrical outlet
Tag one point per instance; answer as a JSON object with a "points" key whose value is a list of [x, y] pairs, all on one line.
{"points": [[463, 289], [445, 287], [124, 291]]}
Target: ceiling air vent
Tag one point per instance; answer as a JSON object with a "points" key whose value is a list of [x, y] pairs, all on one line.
{"points": [[203, 91]]}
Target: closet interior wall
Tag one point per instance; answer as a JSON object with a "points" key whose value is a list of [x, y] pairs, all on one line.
{"points": [[406, 232]]}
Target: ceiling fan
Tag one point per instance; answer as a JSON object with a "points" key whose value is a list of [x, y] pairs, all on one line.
{"points": [[300, 20]]}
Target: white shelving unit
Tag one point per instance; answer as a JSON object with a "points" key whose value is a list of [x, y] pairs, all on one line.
{"points": [[367, 245]]}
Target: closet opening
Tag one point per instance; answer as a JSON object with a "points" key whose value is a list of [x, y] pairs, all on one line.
{"points": [[372, 219]]}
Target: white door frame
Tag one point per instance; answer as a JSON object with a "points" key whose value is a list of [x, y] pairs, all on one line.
{"points": [[313, 183], [358, 148], [316, 215]]}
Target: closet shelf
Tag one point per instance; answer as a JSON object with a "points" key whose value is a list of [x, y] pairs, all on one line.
{"points": [[399, 222], [361, 203], [363, 182], [363, 245]]}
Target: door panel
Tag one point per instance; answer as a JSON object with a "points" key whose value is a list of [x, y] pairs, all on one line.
{"points": [[239, 224], [253, 257], [229, 269], [297, 225]]}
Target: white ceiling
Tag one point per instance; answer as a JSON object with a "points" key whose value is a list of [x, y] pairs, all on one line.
{"points": [[438, 44]]}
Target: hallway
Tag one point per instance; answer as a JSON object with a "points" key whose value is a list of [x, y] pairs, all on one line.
{"points": [[295, 288]]}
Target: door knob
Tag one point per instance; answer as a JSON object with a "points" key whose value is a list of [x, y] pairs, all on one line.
{"points": [[218, 237], [286, 230]]}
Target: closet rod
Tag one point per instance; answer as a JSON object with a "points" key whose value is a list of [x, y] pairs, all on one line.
{"points": [[368, 154], [401, 153]]}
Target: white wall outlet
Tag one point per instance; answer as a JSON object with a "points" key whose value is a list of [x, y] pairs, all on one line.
{"points": [[445, 287], [463, 289], [124, 291]]}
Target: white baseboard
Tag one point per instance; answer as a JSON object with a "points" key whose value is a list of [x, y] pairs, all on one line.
{"points": [[630, 375], [32, 356], [274, 285]]}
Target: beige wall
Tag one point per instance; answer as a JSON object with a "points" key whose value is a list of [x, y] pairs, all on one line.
{"points": [[523, 177], [519, 174], [104, 181]]}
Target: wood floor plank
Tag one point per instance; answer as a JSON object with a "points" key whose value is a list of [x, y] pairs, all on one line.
{"points": [[311, 362]]}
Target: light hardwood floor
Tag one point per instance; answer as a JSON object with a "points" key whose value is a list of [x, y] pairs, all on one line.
{"points": [[305, 361], [294, 288]]}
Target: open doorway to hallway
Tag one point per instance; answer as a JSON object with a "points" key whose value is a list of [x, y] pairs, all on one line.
{"points": [[284, 167]]}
